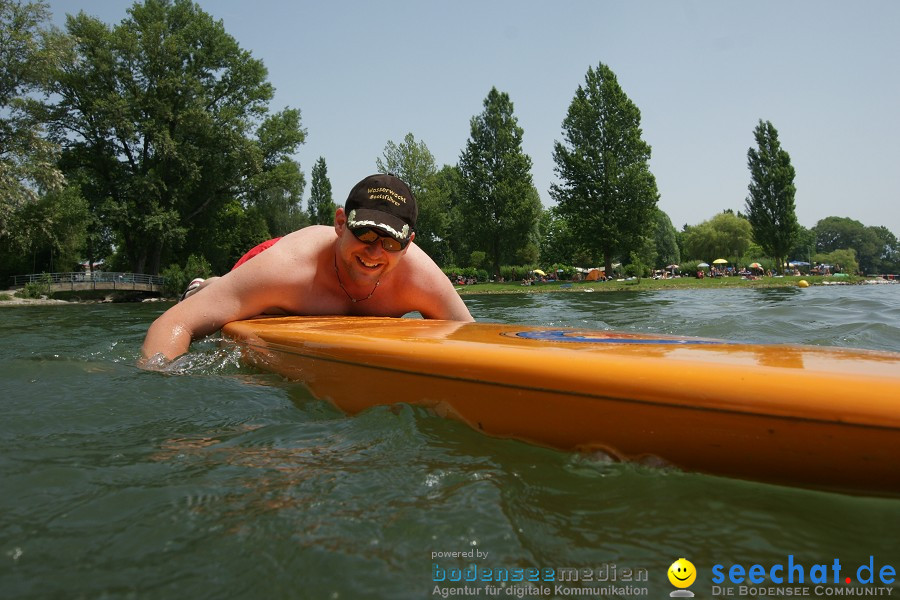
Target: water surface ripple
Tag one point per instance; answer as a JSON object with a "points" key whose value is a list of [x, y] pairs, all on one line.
{"points": [[219, 481]]}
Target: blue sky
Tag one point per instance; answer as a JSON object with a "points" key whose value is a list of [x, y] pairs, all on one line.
{"points": [[826, 73]]}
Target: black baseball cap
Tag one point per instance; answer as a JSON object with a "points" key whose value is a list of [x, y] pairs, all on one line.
{"points": [[385, 202]]}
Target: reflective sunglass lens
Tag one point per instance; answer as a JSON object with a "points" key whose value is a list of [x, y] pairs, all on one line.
{"points": [[391, 245], [365, 235], [370, 236]]}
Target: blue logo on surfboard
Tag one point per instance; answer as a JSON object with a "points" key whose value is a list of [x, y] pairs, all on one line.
{"points": [[610, 337]]}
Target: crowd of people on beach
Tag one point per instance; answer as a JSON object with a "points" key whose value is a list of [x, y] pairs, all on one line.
{"points": [[754, 271]]}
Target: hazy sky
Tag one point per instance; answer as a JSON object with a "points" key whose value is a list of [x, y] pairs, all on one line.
{"points": [[826, 73]]}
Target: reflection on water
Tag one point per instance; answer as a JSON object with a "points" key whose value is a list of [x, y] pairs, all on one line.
{"points": [[852, 316], [225, 482]]}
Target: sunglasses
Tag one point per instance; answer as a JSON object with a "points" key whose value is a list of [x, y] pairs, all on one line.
{"points": [[367, 235]]}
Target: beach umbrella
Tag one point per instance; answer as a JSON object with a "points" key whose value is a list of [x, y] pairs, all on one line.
{"points": [[672, 267], [539, 272], [755, 266], [720, 261], [703, 265]]}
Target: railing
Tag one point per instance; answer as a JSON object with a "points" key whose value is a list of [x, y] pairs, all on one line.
{"points": [[98, 280]]}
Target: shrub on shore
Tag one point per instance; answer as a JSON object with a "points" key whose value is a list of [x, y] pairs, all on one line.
{"points": [[178, 278]]}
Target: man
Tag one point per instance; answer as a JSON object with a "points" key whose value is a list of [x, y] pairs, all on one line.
{"points": [[365, 265]]}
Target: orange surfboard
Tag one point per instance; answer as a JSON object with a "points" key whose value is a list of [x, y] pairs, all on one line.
{"points": [[797, 415]]}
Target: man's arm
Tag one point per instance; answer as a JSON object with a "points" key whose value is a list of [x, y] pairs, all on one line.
{"points": [[240, 294], [197, 316], [447, 304], [437, 299]]}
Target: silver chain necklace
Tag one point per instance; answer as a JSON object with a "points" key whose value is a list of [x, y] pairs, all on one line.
{"points": [[341, 283]]}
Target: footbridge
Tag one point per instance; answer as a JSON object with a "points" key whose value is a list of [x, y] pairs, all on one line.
{"points": [[98, 280]]}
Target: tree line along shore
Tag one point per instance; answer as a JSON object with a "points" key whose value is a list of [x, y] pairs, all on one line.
{"points": [[149, 146]]}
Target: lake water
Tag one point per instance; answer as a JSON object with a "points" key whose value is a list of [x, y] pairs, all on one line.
{"points": [[222, 482]]}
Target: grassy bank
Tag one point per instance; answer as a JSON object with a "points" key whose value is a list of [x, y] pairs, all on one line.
{"points": [[646, 284]]}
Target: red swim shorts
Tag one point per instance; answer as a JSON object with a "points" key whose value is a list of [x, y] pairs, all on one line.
{"points": [[254, 251]]}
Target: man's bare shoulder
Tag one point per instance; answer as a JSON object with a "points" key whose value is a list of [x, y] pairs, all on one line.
{"points": [[310, 240], [298, 250], [418, 267], [290, 264]]}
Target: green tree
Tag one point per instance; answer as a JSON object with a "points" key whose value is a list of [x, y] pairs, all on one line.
{"points": [[445, 193], [665, 240], [530, 251], [53, 227], [725, 235], [607, 192], [321, 205], [770, 205], [498, 205], [231, 231], [276, 190], [281, 210], [640, 261], [841, 261], [413, 162], [169, 118], [840, 233], [409, 160], [558, 244], [177, 278], [889, 259], [834, 233], [56, 225], [804, 245], [27, 158]]}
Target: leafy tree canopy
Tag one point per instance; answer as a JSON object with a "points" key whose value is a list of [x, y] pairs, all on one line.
{"points": [[409, 160], [28, 52], [724, 236], [446, 193], [607, 192], [558, 243], [871, 244], [499, 204], [770, 205], [804, 245], [167, 117], [321, 205], [665, 240], [890, 250], [840, 261]]}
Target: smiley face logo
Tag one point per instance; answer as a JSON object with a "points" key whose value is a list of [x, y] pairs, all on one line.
{"points": [[682, 573]]}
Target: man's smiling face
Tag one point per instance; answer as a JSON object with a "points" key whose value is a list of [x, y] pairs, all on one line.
{"points": [[364, 263]]}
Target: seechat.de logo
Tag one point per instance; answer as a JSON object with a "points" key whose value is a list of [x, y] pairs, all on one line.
{"points": [[794, 571]]}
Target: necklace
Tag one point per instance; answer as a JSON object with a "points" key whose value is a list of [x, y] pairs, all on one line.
{"points": [[341, 283]]}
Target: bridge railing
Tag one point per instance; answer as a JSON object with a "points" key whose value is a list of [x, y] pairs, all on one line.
{"points": [[97, 280]]}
